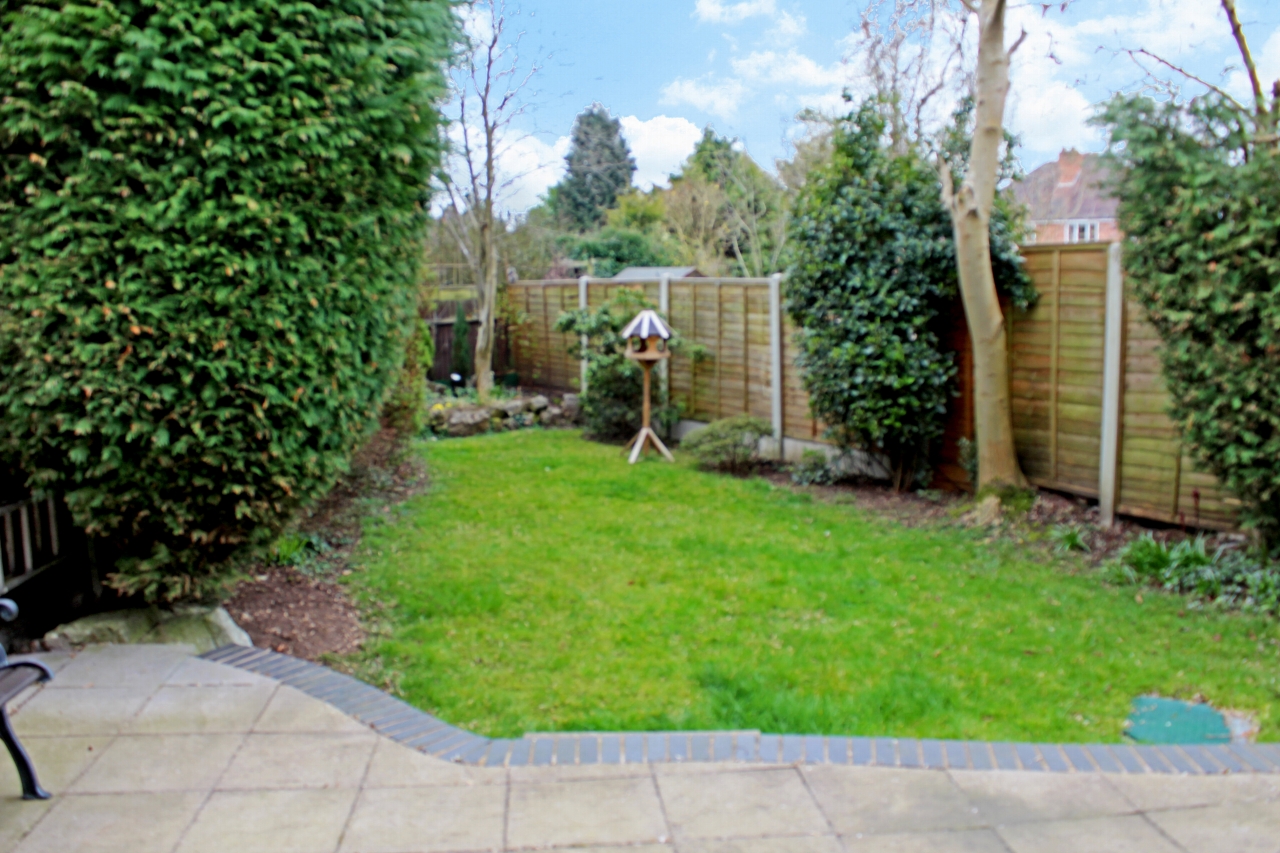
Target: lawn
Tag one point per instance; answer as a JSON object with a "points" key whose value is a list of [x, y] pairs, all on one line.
{"points": [[543, 584]]}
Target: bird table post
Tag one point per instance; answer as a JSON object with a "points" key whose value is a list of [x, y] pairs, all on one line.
{"points": [[647, 338]]}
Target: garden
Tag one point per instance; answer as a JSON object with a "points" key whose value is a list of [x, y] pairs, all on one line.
{"points": [[215, 345]]}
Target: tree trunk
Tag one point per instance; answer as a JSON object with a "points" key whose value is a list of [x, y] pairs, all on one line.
{"points": [[970, 206], [487, 291]]}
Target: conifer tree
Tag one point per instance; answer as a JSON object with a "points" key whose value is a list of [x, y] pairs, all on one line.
{"points": [[600, 167]]}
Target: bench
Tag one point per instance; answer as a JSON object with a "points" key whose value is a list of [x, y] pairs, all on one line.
{"points": [[14, 678]]}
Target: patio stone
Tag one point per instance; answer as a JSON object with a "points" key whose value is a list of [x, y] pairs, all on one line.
{"points": [[604, 811], [774, 844], [69, 711], [578, 772], [752, 803], [292, 710], [159, 763], [194, 672], [269, 822], [122, 666], [1128, 834], [17, 816], [396, 766], [202, 710], [425, 820], [882, 800], [1152, 793], [962, 841], [59, 761], [1237, 827], [1016, 797], [300, 761], [113, 823]]}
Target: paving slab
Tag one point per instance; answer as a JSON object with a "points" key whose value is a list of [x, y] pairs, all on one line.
{"points": [[202, 710], [774, 844], [1235, 827], [269, 822], [59, 762], [598, 811], [1018, 797], [113, 823], [1127, 834], [300, 761], [291, 710], [960, 841], [426, 820], [772, 801], [888, 801]]}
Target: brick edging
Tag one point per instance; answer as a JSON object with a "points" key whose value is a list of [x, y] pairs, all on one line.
{"points": [[405, 724]]}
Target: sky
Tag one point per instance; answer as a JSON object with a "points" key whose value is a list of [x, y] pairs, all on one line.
{"points": [[669, 68]]}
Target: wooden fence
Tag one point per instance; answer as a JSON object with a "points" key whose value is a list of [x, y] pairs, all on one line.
{"points": [[1089, 402]]}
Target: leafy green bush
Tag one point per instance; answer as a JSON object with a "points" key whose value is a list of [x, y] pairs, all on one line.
{"points": [[873, 267], [405, 410], [615, 249], [1200, 206], [1229, 577], [731, 445], [613, 403], [209, 224], [813, 469]]}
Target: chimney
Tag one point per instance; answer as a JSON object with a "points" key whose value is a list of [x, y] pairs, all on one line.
{"points": [[1070, 162]]}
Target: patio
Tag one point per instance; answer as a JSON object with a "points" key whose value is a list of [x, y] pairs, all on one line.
{"points": [[149, 749]]}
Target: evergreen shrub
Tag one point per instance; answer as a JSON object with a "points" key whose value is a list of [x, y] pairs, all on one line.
{"points": [[731, 445], [209, 240]]}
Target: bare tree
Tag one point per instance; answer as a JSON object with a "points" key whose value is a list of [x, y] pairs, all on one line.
{"points": [[970, 206], [488, 83]]}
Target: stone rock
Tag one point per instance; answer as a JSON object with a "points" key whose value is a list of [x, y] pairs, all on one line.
{"points": [[204, 628], [464, 422], [511, 408], [987, 512], [551, 416], [538, 403], [572, 408]]}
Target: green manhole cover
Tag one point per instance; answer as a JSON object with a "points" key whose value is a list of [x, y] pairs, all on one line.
{"points": [[1158, 720]]}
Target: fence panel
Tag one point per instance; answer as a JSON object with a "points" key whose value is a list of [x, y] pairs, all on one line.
{"points": [[1056, 356]]}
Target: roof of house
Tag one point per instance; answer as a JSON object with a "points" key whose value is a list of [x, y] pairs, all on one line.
{"points": [[654, 273], [1068, 188]]}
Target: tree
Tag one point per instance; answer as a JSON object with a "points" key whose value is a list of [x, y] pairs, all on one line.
{"points": [[210, 237], [487, 87], [873, 269], [1199, 190], [970, 205], [600, 167]]}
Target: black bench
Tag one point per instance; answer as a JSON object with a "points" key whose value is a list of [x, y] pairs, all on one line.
{"points": [[14, 678]]}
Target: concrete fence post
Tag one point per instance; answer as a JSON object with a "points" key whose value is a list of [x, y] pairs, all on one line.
{"points": [[1112, 387], [582, 303], [775, 360]]}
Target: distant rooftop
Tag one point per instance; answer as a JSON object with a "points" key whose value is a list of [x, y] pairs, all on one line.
{"points": [[1068, 189], [653, 273]]}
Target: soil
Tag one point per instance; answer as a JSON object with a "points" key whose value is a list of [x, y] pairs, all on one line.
{"points": [[302, 609]]}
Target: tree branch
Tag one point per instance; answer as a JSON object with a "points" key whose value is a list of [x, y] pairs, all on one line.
{"points": [[1184, 72], [1017, 44], [1229, 7]]}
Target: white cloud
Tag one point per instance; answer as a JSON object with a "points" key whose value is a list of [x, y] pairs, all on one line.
{"points": [[1052, 117], [791, 27], [659, 145], [717, 98], [719, 12], [791, 68]]}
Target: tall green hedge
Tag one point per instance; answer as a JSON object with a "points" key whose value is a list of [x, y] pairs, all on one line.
{"points": [[1200, 207], [209, 230]]}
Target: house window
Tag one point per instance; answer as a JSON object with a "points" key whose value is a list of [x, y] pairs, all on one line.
{"points": [[1083, 232]]}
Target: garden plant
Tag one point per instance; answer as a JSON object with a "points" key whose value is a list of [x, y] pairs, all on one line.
{"points": [[209, 248]]}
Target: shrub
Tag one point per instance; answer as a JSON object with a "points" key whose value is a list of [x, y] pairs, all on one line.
{"points": [[613, 403], [873, 265], [209, 224], [405, 411], [1200, 205], [1232, 578], [731, 445], [813, 469]]}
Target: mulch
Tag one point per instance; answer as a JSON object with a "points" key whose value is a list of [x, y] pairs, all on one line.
{"points": [[304, 611]]}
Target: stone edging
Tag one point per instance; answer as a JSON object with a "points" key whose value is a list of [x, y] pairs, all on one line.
{"points": [[417, 729]]}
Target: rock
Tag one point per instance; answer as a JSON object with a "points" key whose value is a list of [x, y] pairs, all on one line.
{"points": [[987, 512], [572, 408], [511, 408], [465, 422], [538, 403], [204, 628], [552, 416]]}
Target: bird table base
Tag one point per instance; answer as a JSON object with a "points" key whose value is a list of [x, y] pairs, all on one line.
{"points": [[647, 436]]}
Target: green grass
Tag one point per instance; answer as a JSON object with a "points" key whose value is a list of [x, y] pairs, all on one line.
{"points": [[543, 584]]}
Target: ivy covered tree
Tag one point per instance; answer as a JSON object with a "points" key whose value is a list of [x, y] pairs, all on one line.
{"points": [[600, 168], [872, 267], [1199, 190], [210, 222]]}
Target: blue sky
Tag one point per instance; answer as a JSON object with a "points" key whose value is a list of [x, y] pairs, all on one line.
{"points": [[668, 68]]}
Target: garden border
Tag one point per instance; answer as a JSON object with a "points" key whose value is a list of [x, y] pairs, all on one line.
{"points": [[417, 729]]}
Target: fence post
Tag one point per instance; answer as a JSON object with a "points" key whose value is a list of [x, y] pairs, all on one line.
{"points": [[1112, 392], [775, 359], [582, 303], [664, 306]]}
